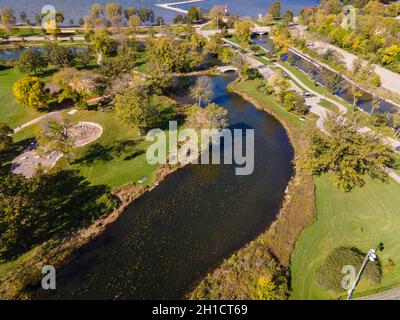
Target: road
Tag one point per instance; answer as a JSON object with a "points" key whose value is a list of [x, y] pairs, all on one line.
{"points": [[317, 109], [393, 294]]}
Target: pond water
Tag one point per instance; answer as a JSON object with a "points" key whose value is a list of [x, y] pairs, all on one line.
{"points": [[15, 53], [364, 102], [167, 240]]}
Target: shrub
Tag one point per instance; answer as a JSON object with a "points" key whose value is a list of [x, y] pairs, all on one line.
{"points": [[329, 275]]}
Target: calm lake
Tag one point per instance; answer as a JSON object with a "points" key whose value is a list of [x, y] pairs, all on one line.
{"points": [[76, 9], [166, 241]]}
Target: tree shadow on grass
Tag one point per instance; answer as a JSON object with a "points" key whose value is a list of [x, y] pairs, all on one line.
{"points": [[15, 149], [99, 153], [49, 206]]}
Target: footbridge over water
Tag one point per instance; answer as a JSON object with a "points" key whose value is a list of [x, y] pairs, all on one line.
{"points": [[224, 69]]}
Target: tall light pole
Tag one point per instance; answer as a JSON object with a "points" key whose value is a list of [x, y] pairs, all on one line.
{"points": [[371, 256]]}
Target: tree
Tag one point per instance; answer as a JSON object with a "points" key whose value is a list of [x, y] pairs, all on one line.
{"points": [[59, 56], [288, 17], [23, 16], [52, 25], [348, 154], [7, 17], [84, 56], [202, 90], [216, 116], [294, 101], [355, 92], [129, 12], [96, 11], [113, 10], [217, 13], [56, 136], [210, 117], [31, 62], [225, 55], [281, 38], [280, 84], [331, 81], [331, 6], [396, 122], [275, 9], [195, 14], [134, 108], [391, 54], [134, 23], [243, 31], [374, 104], [104, 44], [329, 275], [88, 23], [145, 14], [30, 92], [5, 137], [117, 22], [160, 21], [375, 8]]}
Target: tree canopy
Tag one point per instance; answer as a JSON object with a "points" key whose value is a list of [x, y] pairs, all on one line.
{"points": [[347, 154]]}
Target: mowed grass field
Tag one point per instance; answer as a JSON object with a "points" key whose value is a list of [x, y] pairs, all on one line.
{"points": [[11, 112], [363, 219], [116, 158]]}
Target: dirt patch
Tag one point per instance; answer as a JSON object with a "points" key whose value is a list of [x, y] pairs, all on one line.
{"points": [[30, 160]]}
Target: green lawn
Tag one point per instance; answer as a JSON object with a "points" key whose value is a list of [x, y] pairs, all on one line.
{"points": [[11, 112], [362, 218], [110, 167], [250, 86], [100, 162], [328, 105]]}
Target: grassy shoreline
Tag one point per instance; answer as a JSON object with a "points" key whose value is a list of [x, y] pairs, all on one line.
{"points": [[276, 244]]}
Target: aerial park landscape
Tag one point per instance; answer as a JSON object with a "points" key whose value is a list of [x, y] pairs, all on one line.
{"points": [[200, 150]]}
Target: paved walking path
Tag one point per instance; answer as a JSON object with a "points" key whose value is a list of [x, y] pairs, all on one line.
{"points": [[48, 115], [317, 109]]}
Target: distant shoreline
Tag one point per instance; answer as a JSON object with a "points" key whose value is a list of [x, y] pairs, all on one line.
{"points": [[171, 6]]}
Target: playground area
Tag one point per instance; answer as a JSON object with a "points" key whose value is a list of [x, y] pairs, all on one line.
{"points": [[30, 160]]}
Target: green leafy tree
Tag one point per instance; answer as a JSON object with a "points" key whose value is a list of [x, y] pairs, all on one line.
{"points": [[134, 22], [96, 11], [84, 56], [31, 62], [288, 17], [134, 108], [275, 9], [195, 14], [202, 90], [104, 45], [225, 55], [216, 14], [5, 137], [113, 10], [295, 102], [56, 136], [396, 122], [243, 31], [329, 275], [30, 92], [7, 17], [331, 81], [347, 154], [59, 56]]}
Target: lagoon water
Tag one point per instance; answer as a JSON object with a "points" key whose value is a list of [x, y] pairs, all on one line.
{"points": [[76, 9], [171, 237]]}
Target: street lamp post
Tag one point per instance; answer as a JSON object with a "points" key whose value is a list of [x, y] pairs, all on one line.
{"points": [[371, 256]]}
